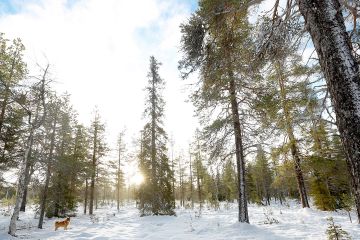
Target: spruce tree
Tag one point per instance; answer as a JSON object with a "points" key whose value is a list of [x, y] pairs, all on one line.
{"points": [[156, 193], [262, 177], [99, 148]]}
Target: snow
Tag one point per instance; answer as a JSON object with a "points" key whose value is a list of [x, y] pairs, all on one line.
{"points": [[294, 223]]}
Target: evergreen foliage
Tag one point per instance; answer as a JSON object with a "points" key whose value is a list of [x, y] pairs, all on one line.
{"points": [[155, 195], [335, 232]]}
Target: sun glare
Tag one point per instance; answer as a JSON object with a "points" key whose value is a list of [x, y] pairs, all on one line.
{"points": [[137, 179]]}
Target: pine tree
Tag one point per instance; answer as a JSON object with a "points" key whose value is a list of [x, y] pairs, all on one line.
{"points": [[155, 194], [335, 232], [34, 123], [216, 40], [12, 70]]}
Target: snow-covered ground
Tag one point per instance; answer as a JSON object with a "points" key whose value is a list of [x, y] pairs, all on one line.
{"points": [[293, 223]]}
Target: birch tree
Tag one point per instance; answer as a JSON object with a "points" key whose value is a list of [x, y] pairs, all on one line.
{"points": [[33, 124]]}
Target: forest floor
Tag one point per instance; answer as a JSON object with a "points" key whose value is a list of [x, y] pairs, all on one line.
{"points": [[293, 223]]}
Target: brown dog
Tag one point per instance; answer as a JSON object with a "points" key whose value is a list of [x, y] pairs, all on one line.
{"points": [[63, 223]]}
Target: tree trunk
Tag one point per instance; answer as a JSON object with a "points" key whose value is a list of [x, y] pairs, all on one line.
{"points": [[48, 173], [199, 188], [240, 160], [325, 23], [118, 180], [155, 200], [27, 181], [21, 185], [93, 172], [191, 183], [86, 195], [44, 197], [293, 142]]}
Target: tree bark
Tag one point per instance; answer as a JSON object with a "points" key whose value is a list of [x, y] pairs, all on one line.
{"points": [[93, 172], [86, 195], [21, 185], [155, 201], [191, 183], [199, 186], [118, 179], [27, 181], [240, 160], [48, 173], [326, 25]]}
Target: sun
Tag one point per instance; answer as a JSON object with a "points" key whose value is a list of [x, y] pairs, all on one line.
{"points": [[137, 179]]}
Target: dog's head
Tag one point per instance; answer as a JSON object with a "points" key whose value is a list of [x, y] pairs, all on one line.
{"points": [[68, 219]]}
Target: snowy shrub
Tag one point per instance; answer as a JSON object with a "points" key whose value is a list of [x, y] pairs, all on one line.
{"points": [[109, 215], [227, 205], [5, 212], [269, 217], [94, 219], [335, 232]]}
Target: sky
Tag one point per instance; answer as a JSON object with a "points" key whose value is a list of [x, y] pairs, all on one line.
{"points": [[99, 53]]}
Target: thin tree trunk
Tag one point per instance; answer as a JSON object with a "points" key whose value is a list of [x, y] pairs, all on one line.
{"points": [[93, 172], [191, 183], [155, 201], [293, 143], [27, 181], [181, 185], [325, 23], [21, 185], [44, 197], [86, 195], [48, 173], [199, 188], [118, 179], [240, 160]]}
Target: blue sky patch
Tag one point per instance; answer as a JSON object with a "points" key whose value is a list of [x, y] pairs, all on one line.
{"points": [[7, 6]]}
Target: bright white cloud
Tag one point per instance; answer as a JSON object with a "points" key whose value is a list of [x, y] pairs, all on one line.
{"points": [[100, 51]]}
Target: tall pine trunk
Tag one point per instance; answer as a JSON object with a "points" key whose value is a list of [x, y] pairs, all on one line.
{"points": [[240, 160], [326, 25]]}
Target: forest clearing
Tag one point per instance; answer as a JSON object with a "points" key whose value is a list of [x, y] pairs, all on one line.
{"points": [[294, 223], [180, 119]]}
